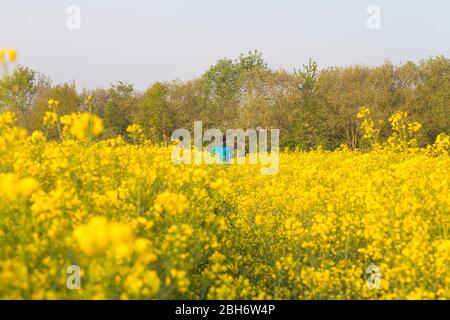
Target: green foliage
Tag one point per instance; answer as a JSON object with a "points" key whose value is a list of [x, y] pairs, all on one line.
{"points": [[433, 102], [65, 93], [99, 100], [222, 85], [311, 107], [307, 77], [306, 128], [120, 108], [17, 90], [154, 114]]}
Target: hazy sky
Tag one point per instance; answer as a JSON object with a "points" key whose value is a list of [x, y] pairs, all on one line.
{"points": [[145, 41]]}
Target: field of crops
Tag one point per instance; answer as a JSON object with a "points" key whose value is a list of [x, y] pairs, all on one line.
{"points": [[138, 226]]}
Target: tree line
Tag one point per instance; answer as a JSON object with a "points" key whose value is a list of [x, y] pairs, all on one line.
{"points": [[312, 107]]}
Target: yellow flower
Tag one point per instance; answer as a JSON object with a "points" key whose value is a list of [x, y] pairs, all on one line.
{"points": [[172, 203], [414, 126], [12, 187], [37, 137], [12, 55], [7, 118], [328, 225], [87, 100], [2, 54], [99, 235], [363, 112], [53, 103], [27, 186], [134, 129], [141, 245], [82, 125], [50, 118], [140, 282], [180, 279], [397, 120]]}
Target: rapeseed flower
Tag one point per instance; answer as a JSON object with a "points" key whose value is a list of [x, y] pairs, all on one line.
{"points": [[140, 227], [12, 55]]}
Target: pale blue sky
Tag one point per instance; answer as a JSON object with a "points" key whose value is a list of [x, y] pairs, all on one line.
{"points": [[145, 41]]}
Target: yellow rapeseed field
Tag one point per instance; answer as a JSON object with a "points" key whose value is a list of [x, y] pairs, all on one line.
{"points": [[139, 226]]}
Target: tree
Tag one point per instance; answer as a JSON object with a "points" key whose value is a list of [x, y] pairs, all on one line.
{"points": [[18, 90], [155, 116], [307, 118], [222, 85], [99, 100], [184, 100], [120, 109], [311, 107], [69, 102], [307, 78], [433, 105]]}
